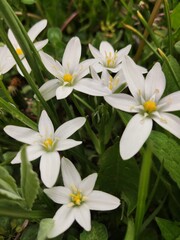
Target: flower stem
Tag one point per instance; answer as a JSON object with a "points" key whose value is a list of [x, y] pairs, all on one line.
{"points": [[6, 93], [143, 190], [130, 230]]}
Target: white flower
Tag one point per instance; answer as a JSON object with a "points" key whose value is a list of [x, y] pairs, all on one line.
{"points": [[70, 75], [33, 32], [6, 60], [147, 104], [78, 198], [46, 143], [107, 58]]}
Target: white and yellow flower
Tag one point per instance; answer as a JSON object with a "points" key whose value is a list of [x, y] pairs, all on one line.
{"points": [[6, 60]]}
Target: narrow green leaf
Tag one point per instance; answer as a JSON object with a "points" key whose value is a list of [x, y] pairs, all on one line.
{"points": [[167, 151], [28, 1], [29, 181], [169, 230], [118, 176], [98, 231], [8, 187], [175, 17], [44, 228]]}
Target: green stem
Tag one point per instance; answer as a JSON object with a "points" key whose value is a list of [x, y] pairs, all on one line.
{"points": [[143, 190], [167, 13], [8, 107], [83, 102], [130, 230], [6, 93]]}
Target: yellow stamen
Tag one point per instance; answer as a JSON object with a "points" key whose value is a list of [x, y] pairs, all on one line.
{"points": [[19, 51], [68, 77], [150, 106], [48, 143], [77, 198]]}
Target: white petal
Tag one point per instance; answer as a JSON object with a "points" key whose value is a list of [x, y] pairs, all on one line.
{"points": [[70, 174], [48, 89], [6, 60], [63, 219], [98, 200], [155, 82], [91, 87], [123, 52], [12, 39], [35, 30], [63, 91], [70, 127], [134, 136], [170, 102], [96, 54], [94, 74], [59, 195], [22, 134], [106, 49], [134, 78], [40, 44], [45, 125], [65, 144], [83, 68], [17, 158], [87, 184], [122, 101], [53, 66], [34, 152], [49, 168], [83, 217], [72, 54], [26, 65], [169, 122]]}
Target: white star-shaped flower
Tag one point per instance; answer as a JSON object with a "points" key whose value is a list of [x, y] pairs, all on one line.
{"points": [[33, 32], [46, 143], [146, 102], [6, 60], [107, 58], [78, 198]]}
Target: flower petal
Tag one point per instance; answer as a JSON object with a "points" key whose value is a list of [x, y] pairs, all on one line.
{"points": [[48, 89], [12, 39], [26, 65], [98, 200], [155, 82], [66, 144], [83, 68], [106, 48], [45, 125], [122, 101], [49, 168], [22, 134], [6, 60], [70, 174], [134, 135], [40, 44], [83, 217], [34, 152], [17, 158], [63, 219], [170, 102], [123, 52], [96, 53], [70, 127], [169, 122], [87, 184], [72, 54], [63, 91], [91, 87], [59, 194], [35, 30], [134, 78]]}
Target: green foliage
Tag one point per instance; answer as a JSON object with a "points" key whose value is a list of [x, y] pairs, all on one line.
{"points": [[169, 230], [167, 151], [98, 231], [28, 1], [44, 227], [175, 17], [29, 181]]}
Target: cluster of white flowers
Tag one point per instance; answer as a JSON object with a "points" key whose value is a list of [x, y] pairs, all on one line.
{"points": [[118, 71]]}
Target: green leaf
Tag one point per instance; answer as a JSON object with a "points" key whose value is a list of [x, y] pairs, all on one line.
{"points": [[167, 151], [29, 180], [175, 17], [118, 176], [172, 75], [177, 47], [45, 225], [28, 1], [98, 231], [30, 233], [169, 230], [54, 35], [8, 187]]}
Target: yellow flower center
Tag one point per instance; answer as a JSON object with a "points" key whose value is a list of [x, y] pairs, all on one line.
{"points": [[150, 106], [77, 198], [67, 78], [48, 143], [113, 83], [111, 59], [19, 51]]}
